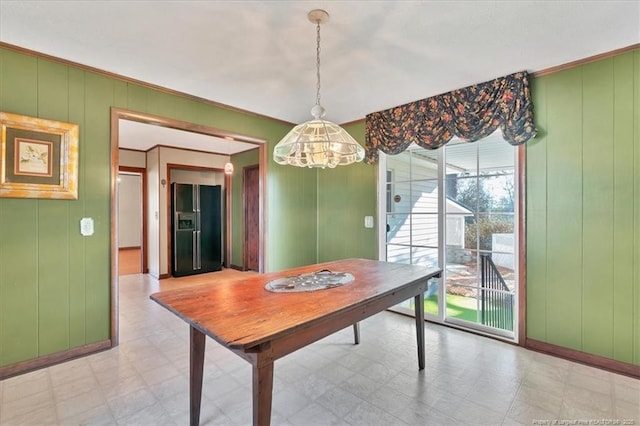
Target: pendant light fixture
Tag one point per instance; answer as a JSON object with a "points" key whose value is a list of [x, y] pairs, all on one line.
{"points": [[318, 143]]}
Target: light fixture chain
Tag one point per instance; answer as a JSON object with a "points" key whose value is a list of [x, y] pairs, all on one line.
{"points": [[318, 62]]}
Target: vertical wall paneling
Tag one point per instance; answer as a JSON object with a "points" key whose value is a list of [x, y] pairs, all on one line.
{"points": [[636, 208], [98, 101], [137, 97], [120, 94], [536, 321], [564, 208], [292, 207], [623, 149], [53, 217], [597, 211], [19, 227], [19, 83], [346, 195], [19, 281], [76, 248], [53, 293], [583, 227]]}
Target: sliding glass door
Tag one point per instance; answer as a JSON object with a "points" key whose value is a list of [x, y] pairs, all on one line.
{"points": [[412, 219], [455, 207]]}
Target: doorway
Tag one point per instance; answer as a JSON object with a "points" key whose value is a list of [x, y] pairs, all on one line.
{"points": [[188, 139], [457, 208], [131, 217]]}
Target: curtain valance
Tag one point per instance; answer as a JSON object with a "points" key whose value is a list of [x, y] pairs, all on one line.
{"points": [[471, 113]]}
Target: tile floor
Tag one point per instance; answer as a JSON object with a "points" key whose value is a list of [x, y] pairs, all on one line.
{"points": [[468, 380]]}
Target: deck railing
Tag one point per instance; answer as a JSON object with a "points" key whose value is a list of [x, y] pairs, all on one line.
{"points": [[496, 298]]}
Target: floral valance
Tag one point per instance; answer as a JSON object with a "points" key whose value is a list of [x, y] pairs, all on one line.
{"points": [[471, 114]]}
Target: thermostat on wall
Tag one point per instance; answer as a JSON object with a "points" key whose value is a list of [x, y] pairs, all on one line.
{"points": [[86, 226]]}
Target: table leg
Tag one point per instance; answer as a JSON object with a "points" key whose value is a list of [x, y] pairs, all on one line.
{"points": [[419, 302], [262, 392], [356, 333], [196, 366]]}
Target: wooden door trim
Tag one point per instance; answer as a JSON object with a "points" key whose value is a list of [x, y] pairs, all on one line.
{"points": [[245, 218]]}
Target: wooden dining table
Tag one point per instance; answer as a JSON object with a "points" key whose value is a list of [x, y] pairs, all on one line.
{"points": [[262, 326]]}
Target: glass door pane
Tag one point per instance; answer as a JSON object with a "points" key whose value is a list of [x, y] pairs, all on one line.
{"points": [[454, 207], [412, 231], [480, 236]]}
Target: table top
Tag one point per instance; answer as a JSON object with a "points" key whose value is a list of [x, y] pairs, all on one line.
{"points": [[243, 314]]}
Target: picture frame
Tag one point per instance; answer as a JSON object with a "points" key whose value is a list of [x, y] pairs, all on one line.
{"points": [[39, 158]]}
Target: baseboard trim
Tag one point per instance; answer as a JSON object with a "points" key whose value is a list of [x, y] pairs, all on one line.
{"points": [[130, 248], [53, 359], [584, 358], [236, 267], [164, 276]]}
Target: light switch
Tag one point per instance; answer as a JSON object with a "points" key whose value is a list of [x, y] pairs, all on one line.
{"points": [[86, 226], [368, 221]]}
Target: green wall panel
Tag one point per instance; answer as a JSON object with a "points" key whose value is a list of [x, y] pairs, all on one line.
{"points": [[19, 280], [137, 97], [19, 83], [120, 94], [623, 249], [77, 259], [53, 216], [99, 98], [597, 212], [564, 203], [292, 221], [19, 274], [53, 90], [345, 196], [636, 208], [536, 218], [583, 210], [53, 273]]}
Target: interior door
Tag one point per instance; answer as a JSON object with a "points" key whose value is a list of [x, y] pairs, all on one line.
{"points": [[251, 191]]}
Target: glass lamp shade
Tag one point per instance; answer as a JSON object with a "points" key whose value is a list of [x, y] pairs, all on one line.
{"points": [[318, 143]]}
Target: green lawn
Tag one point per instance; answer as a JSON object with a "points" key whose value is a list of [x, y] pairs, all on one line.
{"points": [[457, 307]]}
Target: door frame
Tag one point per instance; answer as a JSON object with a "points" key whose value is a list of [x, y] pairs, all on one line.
{"points": [[245, 215], [118, 114], [519, 331]]}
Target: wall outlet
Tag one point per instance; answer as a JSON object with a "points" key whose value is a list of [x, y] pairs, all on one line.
{"points": [[86, 226], [368, 221]]}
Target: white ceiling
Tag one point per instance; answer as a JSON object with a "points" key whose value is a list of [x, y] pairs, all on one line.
{"points": [[260, 55]]}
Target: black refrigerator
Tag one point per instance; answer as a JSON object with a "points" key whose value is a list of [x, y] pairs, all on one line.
{"points": [[196, 228]]}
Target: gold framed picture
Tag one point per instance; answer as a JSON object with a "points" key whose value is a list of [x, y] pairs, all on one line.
{"points": [[39, 158]]}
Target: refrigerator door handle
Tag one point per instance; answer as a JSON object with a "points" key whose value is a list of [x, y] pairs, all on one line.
{"points": [[195, 248], [199, 255]]}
